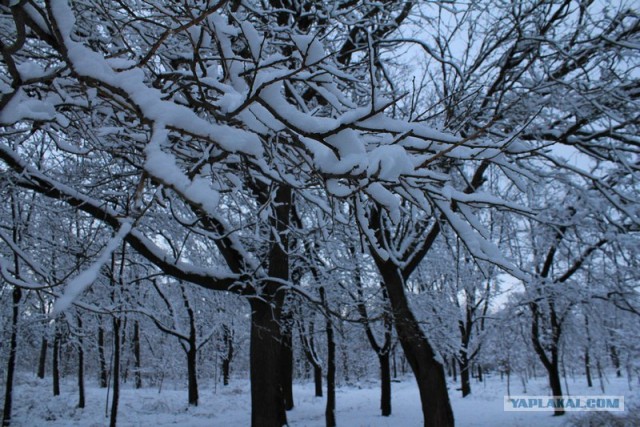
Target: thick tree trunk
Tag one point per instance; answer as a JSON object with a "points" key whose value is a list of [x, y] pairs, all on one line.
{"points": [[317, 379], [267, 395], [104, 374], [556, 388], [226, 370], [42, 359], [465, 382], [55, 365], [556, 385], [550, 363], [553, 372], [136, 354], [11, 361], [192, 373], [116, 373], [429, 373], [385, 384], [267, 400]]}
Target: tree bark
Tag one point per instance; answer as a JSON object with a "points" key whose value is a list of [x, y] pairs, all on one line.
{"points": [[225, 371], [330, 410], [124, 367], [317, 379], [81, 400], [56, 359], [42, 359], [556, 385], [429, 373], [553, 372], [587, 367], [136, 355], [267, 400], [191, 350], [267, 395], [81, 397], [192, 373], [385, 384], [11, 361], [104, 374], [465, 382], [551, 364], [228, 355], [116, 373], [587, 358]]}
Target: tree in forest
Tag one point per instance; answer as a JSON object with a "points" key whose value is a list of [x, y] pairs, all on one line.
{"points": [[508, 344], [561, 255], [308, 337], [192, 133], [456, 294], [528, 74], [251, 101], [382, 347], [182, 318]]}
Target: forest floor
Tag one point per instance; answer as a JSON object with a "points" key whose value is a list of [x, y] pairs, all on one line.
{"points": [[357, 406]]}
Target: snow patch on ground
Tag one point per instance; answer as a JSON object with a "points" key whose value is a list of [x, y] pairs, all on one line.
{"points": [[357, 406]]}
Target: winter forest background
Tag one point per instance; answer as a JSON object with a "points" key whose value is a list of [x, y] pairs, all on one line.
{"points": [[277, 193]]}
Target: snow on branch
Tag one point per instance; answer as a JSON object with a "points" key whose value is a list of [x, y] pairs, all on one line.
{"points": [[85, 279]]}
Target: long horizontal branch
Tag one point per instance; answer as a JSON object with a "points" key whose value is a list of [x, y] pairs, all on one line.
{"points": [[32, 179]]}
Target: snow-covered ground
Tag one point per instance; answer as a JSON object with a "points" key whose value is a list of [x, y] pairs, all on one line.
{"points": [[229, 406]]}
